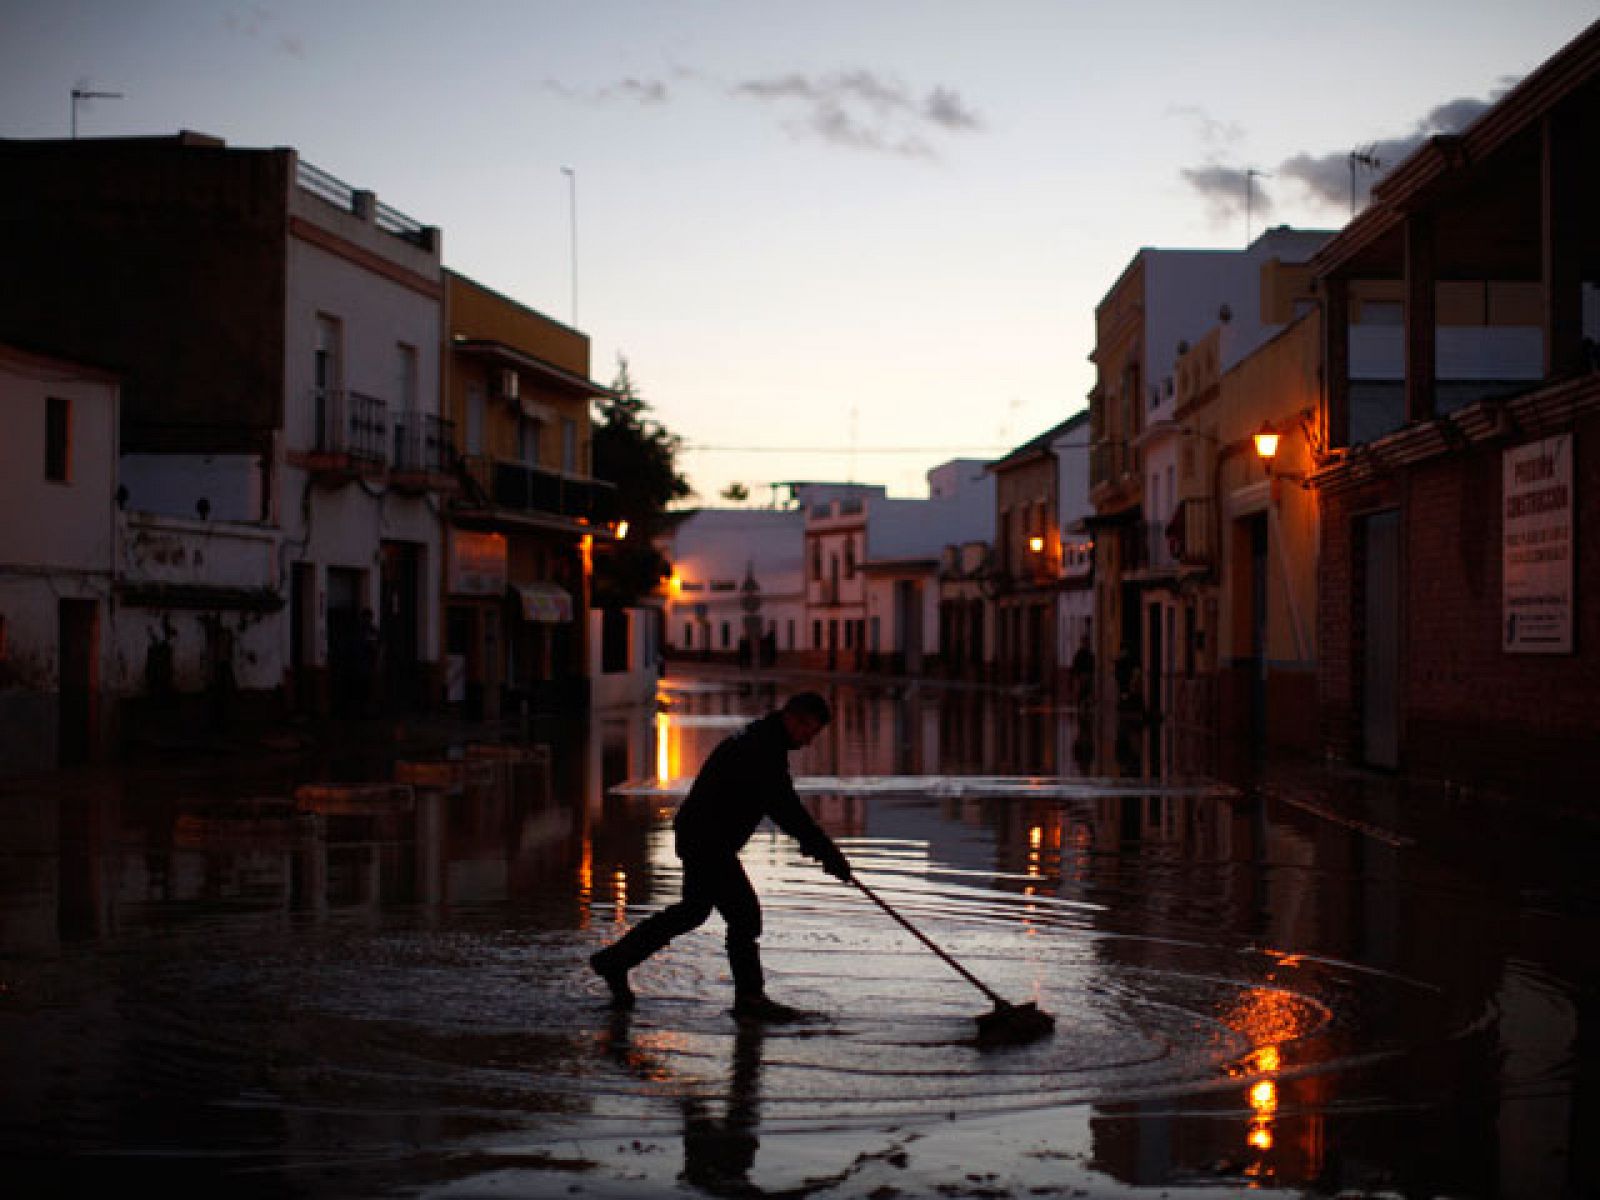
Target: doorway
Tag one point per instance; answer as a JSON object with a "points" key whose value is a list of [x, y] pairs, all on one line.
{"points": [[78, 633]]}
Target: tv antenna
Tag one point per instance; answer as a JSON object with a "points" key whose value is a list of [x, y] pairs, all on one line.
{"points": [[80, 94], [1250, 177], [1361, 158]]}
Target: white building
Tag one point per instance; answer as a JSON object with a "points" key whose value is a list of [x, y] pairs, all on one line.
{"points": [[904, 542], [735, 572], [362, 440], [58, 544]]}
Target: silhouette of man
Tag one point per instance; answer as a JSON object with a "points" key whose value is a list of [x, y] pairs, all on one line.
{"points": [[745, 779]]}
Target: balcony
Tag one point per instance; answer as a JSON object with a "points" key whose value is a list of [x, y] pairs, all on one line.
{"points": [[1192, 533], [349, 432], [515, 489], [424, 454], [1111, 461]]}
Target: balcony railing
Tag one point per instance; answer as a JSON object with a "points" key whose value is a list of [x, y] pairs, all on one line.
{"points": [[1194, 532], [518, 487], [423, 444], [349, 423], [1111, 460]]}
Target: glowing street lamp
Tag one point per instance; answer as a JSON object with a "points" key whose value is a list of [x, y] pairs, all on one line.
{"points": [[1266, 439]]}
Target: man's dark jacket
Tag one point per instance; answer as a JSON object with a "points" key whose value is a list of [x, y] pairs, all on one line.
{"points": [[745, 779]]}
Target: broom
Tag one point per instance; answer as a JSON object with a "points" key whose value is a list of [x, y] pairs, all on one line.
{"points": [[1007, 1023]]}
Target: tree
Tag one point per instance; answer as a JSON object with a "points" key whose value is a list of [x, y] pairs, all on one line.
{"points": [[736, 493], [640, 457]]}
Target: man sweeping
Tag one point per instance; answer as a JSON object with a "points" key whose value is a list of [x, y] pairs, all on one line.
{"points": [[745, 779]]}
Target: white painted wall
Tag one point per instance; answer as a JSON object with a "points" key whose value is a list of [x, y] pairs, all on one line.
{"points": [[343, 526], [718, 546], [58, 541], [163, 550]]}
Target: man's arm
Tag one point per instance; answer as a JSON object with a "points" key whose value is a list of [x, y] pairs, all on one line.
{"points": [[789, 815]]}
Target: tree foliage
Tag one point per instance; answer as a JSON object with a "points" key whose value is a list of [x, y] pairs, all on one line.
{"points": [[640, 457]]}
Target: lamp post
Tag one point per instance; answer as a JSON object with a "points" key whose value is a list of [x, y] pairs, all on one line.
{"points": [[572, 222]]}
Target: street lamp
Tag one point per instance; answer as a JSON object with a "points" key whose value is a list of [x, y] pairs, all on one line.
{"points": [[1266, 439]]}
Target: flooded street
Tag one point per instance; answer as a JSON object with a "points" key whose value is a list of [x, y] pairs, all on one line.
{"points": [[366, 975]]}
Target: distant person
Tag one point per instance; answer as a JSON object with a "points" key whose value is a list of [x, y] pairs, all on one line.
{"points": [[1082, 674], [745, 779]]}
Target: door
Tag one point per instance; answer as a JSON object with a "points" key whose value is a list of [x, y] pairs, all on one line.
{"points": [[1380, 643], [77, 628], [302, 620], [401, 625]]}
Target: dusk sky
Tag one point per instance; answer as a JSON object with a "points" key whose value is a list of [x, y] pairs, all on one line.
{"points": [[833, 240]]}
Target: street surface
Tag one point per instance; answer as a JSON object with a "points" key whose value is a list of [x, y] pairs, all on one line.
{"points": [[1289, 981]]}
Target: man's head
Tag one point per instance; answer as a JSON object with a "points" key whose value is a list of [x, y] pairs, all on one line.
{"points": [[804, 715]]}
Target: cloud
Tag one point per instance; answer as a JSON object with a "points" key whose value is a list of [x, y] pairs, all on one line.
{"points": [[645, 92], [256, 22], [1216, 134], [862, 110], [1325, 179], [856, 109]]}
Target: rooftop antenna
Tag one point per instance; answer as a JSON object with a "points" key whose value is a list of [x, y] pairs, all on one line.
{"points": [[1361, 158], [79, 94], [1250, 176]]}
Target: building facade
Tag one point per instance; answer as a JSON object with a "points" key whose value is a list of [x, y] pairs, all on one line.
{"points": [[278, 334], [737, 591], [1162, 305], [1459, 633], [58, 549], [529, 516]]}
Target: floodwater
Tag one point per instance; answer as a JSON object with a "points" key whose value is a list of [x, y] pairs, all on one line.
{"points": [[305, 977]]}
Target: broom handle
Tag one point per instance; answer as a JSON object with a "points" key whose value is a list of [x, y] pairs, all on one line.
{"points": [[923, 938]]}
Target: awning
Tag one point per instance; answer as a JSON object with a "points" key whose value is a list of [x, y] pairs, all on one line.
{"points": [[544, 601]]}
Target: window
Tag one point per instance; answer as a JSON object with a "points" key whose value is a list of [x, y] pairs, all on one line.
{"points": [[688, 635], [405, 383], [569, 445], [850, 558], [327, 375], [58, 439], [475, 414], [528, 441], [727, 636]]}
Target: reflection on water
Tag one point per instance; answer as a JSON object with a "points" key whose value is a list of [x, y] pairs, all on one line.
{"points": [[360, 981]]}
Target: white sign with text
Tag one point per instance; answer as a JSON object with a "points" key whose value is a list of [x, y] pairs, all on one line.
{"points": [[1537, 548]]}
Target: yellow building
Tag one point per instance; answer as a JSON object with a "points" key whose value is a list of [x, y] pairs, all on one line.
{"points": [[1245, 532], [522, 531]]}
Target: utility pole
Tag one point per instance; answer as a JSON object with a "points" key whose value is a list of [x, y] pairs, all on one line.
{"points": [[85, 94]]}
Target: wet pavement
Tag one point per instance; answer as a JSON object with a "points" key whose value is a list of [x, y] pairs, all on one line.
{"points": [[364, 974]]}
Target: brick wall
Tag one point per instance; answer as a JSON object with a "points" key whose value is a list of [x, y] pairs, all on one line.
{"points": [[1469, 711]]}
